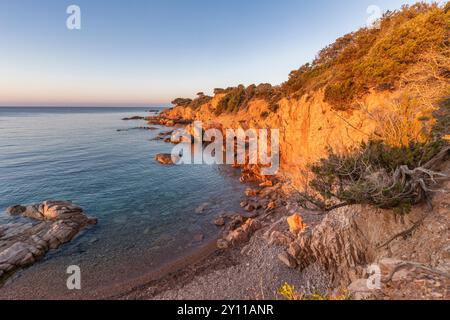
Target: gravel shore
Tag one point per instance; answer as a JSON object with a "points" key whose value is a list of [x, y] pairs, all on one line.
{"points": [[251, 271]]}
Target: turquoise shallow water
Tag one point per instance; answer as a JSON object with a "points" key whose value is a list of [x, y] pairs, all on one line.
{"points": [[146, 211]]}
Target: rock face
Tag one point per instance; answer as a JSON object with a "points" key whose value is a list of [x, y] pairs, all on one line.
{"points": [[347, 240], [48, 225], [351, 239], [243, 233], [310, 125]]}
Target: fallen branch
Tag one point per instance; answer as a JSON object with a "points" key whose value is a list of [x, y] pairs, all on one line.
{"points": [[408, 264]]}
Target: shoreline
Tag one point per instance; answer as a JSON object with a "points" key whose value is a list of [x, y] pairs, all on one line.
{"points": [[258, 252], [203, 259]]}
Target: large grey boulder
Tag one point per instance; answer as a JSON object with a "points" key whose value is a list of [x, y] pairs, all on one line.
{"points": [[46, 226]]}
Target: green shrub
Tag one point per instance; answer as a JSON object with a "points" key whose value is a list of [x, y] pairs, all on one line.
{"points": [[239, 98], [193, 104], [181, 102], [376, 174]]}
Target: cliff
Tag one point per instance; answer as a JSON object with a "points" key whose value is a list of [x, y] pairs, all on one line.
{"points": [[395, 105]]}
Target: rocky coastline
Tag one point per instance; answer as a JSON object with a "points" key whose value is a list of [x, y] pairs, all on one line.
{"points": [[324, 254], [273, 241], [35, 229]]}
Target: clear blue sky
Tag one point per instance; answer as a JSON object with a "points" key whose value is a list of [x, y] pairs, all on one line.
{"points": [[136, 52]]}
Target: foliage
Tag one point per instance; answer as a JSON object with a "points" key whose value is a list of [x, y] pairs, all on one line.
{"points": [[373, 57], [376, 58], [377, 174], [288, 292], [403, 120], [193, 104], [182, 102], [238, 98]]}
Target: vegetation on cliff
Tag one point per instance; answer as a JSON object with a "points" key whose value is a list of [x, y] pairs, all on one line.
{"points": [[407, 55], [376, 58], [377, 174]]}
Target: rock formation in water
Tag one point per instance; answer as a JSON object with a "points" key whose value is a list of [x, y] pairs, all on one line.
{"points": [[37, 229]]}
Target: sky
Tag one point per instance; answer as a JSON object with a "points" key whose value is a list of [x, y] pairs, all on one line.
{"points": [[148, 52]]}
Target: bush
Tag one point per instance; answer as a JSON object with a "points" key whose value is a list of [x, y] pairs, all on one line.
{"points": [[193, 104], [181, 102], [289, 293], [238, 98], [377, 174], [341, 93]]}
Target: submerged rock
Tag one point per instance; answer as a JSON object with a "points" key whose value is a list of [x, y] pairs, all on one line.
{"points": [[51, 224], [220, 222], [287, 260], [137, 128], [199, 237], [202, 208]]}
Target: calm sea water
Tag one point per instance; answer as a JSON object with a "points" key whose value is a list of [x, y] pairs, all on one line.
{"points": [[146, 211]]}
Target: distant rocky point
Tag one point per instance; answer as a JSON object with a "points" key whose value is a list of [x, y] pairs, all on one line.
{"points": [[134, 118]]}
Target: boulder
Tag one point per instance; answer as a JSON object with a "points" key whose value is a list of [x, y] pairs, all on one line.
{"points": [[251, 192], [278, 238], [54, 210], [266, 184], [250, 208], [222, 244], [243, 233], [15, 210], [236, 221], [269, 192], [166, 159], [199, 237], [272, 205], [202, 208], [55, 223], [18, 254], [34, 212], [296, 225], [349, 239]]}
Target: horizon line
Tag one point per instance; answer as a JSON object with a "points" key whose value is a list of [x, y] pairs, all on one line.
{"points": [[167, 105]]}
